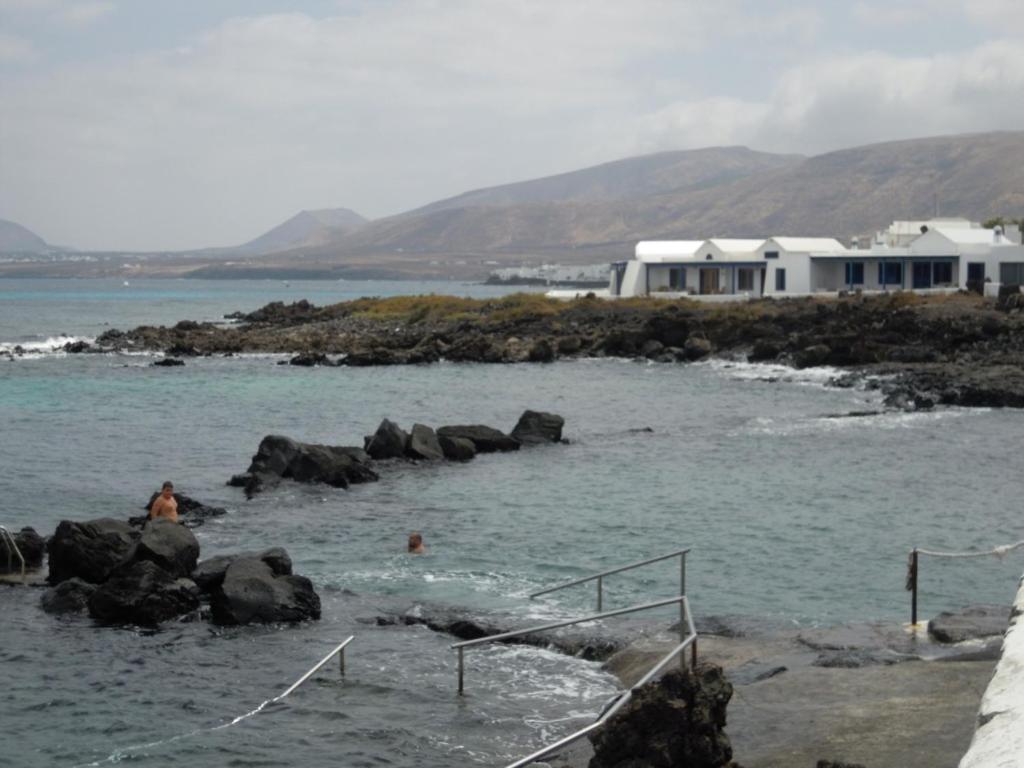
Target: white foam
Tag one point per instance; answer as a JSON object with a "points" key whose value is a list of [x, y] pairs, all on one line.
{"points": [[50, 346], [744, 371]]}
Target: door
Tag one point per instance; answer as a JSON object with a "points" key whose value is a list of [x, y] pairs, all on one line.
{"points": [[709, 280], [922, 275], [976, 277]]}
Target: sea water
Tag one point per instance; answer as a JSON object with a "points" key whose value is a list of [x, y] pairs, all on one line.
{"points": [[792, 514]]}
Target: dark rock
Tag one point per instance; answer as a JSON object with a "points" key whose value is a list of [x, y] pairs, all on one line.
{"points": [[812, 356], [677, 720], [281, 457], [423, 444], [31, 545], [89, 550], [193, 513], [754, 671], [313, 359], [855, 658], [537, 427], [696, 348], [388, 441], [168, 362], [456, 448], [209, 574], [77, 347], [651, 348], [70, 596], [569, 345], [972, 622], [251, 592], [484, 439], [183, 350], [142, 593], [766, 349], [171, 546], [541, 351]]}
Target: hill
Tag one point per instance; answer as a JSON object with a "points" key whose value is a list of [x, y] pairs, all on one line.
{"points": [[15, 238], [306, 228], [593, 213]]}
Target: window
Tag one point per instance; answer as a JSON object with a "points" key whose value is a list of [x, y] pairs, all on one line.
{"points": [[677, 278], [890, 273], [854, 273], [1011, 273], [942, 272], [780, 279], [745, 280], [771, 254]]}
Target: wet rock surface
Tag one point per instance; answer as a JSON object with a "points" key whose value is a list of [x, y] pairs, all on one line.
{"points": [[537, 428], [90, 550], [946, 350], [251, 592], [169, 545], [970, 623], [280, 457], [142, 593], [70, 596], [677, 720], [32, 547], [484, 439], [209, 574]]}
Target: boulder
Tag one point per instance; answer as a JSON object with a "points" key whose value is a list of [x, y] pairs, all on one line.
{"points": [[312, 359], [537, 427], [90, 549], [193, 513], [677, 720], [77, 347], [969, 623], [696, 348], [652, 348], [281, 457], [209, 574], [171, 546], [388, 442], [252, 592], [31, 546], [812, 356], [456, 448], [168, 362], [142, 593], [423, 444], [70, 596], [484, 439], [541, 351]]}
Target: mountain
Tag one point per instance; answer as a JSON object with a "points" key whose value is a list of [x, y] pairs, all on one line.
{"points": [[15, 238], [306, 228], [587, 215]]}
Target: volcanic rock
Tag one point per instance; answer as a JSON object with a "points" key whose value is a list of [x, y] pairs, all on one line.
{"points": [[89, 550], [251, 592], [281, 457], [168, 362], [677, 720], [972, 622], [457, 448], [31, 546], [484, 439], [537, 427], [423, 444], [171, 546], [192, 513], [142, 593], [209, 574], [696, 348], [388, 442], [70, 596]]}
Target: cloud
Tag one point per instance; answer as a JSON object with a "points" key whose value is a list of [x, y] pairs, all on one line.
{"points": [[15, 48], [82, 13]]}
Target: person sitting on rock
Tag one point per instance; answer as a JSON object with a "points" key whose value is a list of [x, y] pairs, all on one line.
{"points": [[165, 506], [416, 544]]}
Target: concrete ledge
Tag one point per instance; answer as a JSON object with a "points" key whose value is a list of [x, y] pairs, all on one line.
{"points": [[999, 740]]}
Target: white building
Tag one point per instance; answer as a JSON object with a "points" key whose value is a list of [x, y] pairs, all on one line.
{"points": [[944, 254]]}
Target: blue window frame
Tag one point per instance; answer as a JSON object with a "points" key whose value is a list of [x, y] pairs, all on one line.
{"points": [[942, 272], [890, 273], [677, 278], [780, 279], [771, 254], [854, 273]]}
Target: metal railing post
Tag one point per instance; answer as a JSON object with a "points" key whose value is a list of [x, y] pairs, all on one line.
{"points": [[341, 662], [693, 654], [461, 671], [600, 593], [913, 587], [682, 573]]}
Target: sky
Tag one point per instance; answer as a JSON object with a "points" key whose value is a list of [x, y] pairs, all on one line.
{"points": [[177, 124]]}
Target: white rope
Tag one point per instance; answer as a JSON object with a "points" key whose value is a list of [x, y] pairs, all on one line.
{"points": [[997, 551]]}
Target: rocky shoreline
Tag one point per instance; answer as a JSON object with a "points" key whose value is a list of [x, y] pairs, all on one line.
{"points": [[921, 351]]}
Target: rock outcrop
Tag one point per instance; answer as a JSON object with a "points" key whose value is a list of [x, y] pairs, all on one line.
{"points": [[537, 428], [70, 596], [171, 546], [388, 442], [456, 448], [970, 623], [191, 512], [677, 720], [142, 593], [209, 574], [423, 444], [90, 550], [252, 592], [281, 457], [32, 547], [485, 439]]}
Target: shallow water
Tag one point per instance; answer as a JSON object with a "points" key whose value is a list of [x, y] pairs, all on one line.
{"points": [[791, 514]]}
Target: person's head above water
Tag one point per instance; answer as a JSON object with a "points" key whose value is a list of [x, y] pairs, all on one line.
{"points": [[416, 544], [167, 489]]}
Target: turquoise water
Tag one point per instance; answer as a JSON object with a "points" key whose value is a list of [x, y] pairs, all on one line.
{"points": [[790, 514]]}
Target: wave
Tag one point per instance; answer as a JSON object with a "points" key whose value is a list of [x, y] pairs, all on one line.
{"points": [[53, 345]]}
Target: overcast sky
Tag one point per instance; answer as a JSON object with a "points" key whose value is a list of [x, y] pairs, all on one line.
{"points": [[164, 124]]}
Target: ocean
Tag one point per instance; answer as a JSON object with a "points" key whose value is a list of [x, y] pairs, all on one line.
{"points": [[792, 515]]}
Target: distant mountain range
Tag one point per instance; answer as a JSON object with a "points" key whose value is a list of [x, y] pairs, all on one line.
{"points": [[597, 214], [15, 238]]}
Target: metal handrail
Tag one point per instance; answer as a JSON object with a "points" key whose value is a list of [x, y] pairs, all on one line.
{"points": [[340, 651], [680, 553], [12, 546], [689, 641], [461, 647]]}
